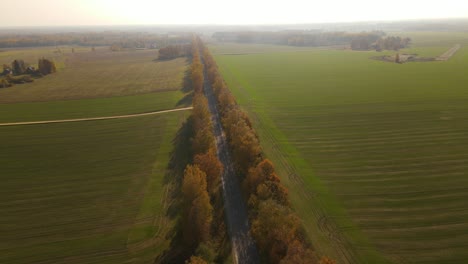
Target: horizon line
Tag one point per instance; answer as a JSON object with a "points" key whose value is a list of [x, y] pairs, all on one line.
{"points": [[239, 25]]}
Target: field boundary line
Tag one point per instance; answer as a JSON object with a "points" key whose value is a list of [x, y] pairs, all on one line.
{"points": [[94, 118]]}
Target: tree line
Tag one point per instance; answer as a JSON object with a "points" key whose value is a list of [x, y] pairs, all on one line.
{"points": [[125, 40], [275, 227], [392, 43], [203, 227], [174, 51], [19, 72], [357, 41]]}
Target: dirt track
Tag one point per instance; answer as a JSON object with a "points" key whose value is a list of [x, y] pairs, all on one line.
{"points": [[449, 53], [243, 247], [93, 118]]}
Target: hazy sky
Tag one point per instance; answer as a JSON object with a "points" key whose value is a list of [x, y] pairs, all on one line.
{"points": [[118, 12]]}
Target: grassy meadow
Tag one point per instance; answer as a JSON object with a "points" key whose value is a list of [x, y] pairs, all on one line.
{"points": [[97, 191], [374, 153]]}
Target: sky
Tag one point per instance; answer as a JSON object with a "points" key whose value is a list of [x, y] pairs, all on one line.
{"points": [[221, 12]]}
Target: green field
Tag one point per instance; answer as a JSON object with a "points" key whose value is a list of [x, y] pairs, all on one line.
{"points": [[96, 191], [95, 107], [87, 192], [374, 153]]}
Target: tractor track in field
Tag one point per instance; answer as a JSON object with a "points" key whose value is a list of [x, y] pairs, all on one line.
{"points": [[93, 118], [326, 224]]}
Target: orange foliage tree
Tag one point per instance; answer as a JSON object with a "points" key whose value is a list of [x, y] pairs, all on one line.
{"points": [[262, 183], [274, 226], [203, 139], [196, 260], [198, 210], [210, 164], [203, 218]]}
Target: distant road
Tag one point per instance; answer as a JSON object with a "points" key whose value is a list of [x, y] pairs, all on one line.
{"points": [[449, 53], [93, 118]]}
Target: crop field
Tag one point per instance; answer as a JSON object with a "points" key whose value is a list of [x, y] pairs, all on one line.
{"points": [[94, 107], [95, 191], [244, 49], [86, 192], [431, 44], [88, 74], [93, 84], [31, 55], [374, 153]]}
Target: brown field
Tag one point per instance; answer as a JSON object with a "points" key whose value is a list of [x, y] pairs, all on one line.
{"points": [[87, 74]]}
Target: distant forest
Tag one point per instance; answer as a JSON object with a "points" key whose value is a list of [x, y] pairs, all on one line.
{"points": [[125, 40], [357, 41]]}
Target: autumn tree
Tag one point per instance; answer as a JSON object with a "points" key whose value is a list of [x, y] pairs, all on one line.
{"points": [[46, 66], [198, 212], [202, 142], [392, 43], [298, 253], [243, 140], [210, 164], [201, 216], [206, 252], [201, 112], [258, 175], [326, 260], [274, 228], [194, 183], [246, 148], [18, 67], [4, 83], [195, 260], [262, 183], [226, 100], [203, 139], [174, 51], [197, 75], [235, 115]]}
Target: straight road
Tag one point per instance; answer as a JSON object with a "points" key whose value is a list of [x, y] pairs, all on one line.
{"points": [[243, 246]]}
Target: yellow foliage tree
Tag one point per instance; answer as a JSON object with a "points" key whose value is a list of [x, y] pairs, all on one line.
{"points": [[210, 164], [198, 212]]}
